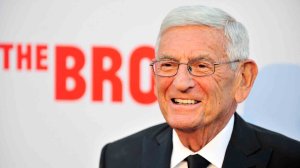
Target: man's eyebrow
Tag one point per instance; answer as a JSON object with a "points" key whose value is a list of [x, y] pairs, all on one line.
{"points": [[202, 58], [166, 57]]}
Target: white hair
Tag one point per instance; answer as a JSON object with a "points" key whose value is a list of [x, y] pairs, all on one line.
{"points": [[236, 34]]}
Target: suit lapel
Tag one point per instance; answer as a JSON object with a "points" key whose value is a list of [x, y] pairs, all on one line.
{"points": [[244, 149], [157, 149]]}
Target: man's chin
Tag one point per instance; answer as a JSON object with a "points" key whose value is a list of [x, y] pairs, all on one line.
{"points": [[187, 126]]}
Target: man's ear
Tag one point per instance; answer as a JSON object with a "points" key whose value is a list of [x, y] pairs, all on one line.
{"points": [[246, 77]]}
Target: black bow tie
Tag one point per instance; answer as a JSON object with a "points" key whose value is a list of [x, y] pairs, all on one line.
{"points": [[197, 161]]}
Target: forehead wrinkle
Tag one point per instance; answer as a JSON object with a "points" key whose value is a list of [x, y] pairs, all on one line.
{"points": [[215, 43]]}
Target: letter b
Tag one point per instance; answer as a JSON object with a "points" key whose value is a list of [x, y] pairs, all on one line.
{"points": [[62, 73]]}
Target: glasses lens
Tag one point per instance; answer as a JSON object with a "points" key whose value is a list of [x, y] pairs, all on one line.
{"points": [[201, 68], [165, 68]]}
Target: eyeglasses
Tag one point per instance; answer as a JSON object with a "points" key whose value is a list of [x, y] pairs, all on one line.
{"points": [[169, 68]]}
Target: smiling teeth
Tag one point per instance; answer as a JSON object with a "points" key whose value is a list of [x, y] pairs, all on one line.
{"points": [[181, 101]]}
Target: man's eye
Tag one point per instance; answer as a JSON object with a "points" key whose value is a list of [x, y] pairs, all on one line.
{"points": [[166, 64], [202, 65]]}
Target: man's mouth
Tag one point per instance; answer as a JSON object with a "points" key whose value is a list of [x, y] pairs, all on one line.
{"points": [[184, 101]]}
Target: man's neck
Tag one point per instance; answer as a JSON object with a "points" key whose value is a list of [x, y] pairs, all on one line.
{"points": [[196, 139]]}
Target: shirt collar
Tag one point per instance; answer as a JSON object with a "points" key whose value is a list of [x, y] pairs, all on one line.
{"points": [[214, 151]]}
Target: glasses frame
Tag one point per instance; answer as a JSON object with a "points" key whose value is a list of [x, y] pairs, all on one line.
{"points": [[189, 68]]}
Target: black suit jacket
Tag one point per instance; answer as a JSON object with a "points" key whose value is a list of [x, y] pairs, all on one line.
{"points": [[249, 146]]}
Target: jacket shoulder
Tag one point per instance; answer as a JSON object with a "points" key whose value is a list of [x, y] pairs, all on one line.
{"points": [[254, 145], [266, 138], [126, 152], [285, 150], [276, 140], [150, 132]]}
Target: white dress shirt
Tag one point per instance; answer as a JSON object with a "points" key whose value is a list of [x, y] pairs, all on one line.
{"points": [[214, 151]]}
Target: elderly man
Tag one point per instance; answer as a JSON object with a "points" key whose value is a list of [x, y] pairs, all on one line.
{"points": [[201, 73]]}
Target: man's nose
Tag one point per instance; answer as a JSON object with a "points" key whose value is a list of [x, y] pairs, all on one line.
{"points": [[183, 79]]}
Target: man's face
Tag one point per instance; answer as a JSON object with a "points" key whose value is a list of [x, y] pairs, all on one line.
{"points": [[188, 102]]}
